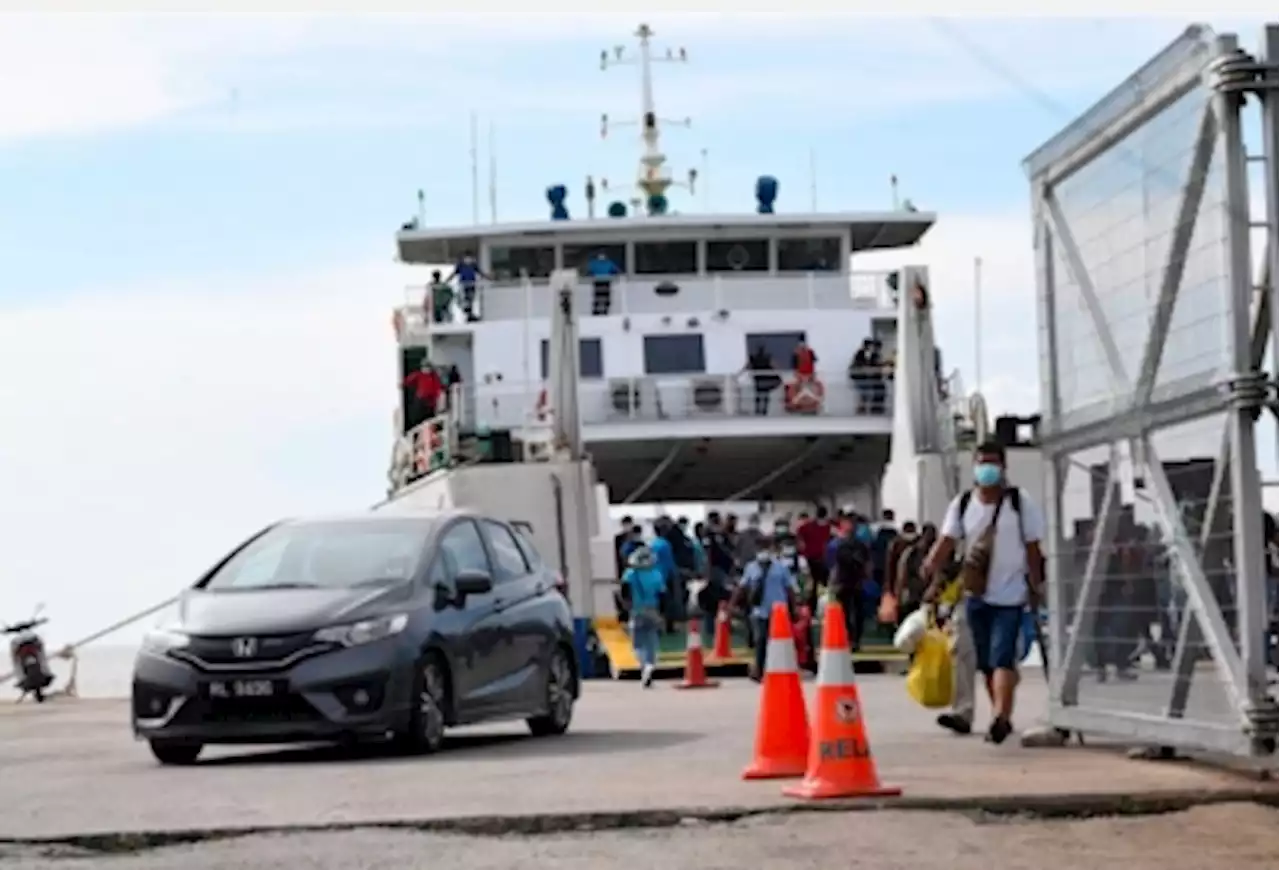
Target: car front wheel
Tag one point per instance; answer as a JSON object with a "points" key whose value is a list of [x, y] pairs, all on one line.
{"points": [[559, 693], [175, 753], [430, 702]]}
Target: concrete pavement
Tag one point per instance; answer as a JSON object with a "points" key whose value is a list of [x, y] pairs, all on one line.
{"points": [[629, 750]]}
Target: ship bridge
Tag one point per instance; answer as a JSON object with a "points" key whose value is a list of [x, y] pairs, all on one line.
{"points": [[672, 404]]}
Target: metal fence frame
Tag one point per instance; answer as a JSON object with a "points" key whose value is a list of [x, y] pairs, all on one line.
{"points": [[1214, 65]]}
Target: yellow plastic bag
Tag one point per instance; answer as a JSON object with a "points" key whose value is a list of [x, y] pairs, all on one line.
{"points": [[929, 680]]}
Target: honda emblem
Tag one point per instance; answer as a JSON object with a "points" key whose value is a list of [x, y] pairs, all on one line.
{"points": [[244, 647]]}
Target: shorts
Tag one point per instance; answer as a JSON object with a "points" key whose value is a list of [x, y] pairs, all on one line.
{"points": [[996, 630]]}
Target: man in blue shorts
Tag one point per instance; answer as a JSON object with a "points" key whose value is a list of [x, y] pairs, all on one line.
{"points": [[999, 529]]}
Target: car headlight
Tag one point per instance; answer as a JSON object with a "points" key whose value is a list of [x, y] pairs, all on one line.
{"points": [[161, 640], [365, 631]]}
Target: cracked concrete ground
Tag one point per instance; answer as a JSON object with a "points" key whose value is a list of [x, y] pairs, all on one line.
{"points": [[1239, 836]]}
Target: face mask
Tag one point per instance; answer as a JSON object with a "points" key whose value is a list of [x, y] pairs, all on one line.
{"points": [[762, 557], [788, 552], [987, 474]]}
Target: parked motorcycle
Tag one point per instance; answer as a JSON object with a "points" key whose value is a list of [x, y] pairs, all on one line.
{"points": [[26, 651]]}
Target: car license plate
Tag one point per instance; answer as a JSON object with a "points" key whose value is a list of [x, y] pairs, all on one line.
{"points": [[242, 689]]}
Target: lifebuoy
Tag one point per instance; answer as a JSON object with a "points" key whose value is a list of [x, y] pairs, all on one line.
{"points": [[805, 395]]}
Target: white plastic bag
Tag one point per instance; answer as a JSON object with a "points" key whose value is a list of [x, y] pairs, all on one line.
{"points": [[911, 631]]}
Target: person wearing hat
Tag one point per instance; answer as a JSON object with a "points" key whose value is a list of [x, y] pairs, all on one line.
{"points": [[765, 582], [646, 585]]}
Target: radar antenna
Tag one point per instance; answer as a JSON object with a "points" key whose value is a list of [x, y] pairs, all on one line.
{"points": [[653, 178]]}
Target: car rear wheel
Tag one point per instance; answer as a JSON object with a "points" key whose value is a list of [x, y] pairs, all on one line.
{"points": [[167, 752], [425, 733], [559, 694]]}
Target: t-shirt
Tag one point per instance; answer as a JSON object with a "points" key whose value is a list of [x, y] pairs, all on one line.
{"points": [[777, 583], [1007, 580], [647, 584], [467, 272], [814, 536]]}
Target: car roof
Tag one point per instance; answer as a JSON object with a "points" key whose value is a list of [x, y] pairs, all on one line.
{"points": [[400, 512]]}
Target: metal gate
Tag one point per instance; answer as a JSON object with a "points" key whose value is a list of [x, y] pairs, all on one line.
{"points": [[1155, 330]]}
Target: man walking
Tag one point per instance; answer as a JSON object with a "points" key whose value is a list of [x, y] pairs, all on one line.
{"points": [[999, 529]]}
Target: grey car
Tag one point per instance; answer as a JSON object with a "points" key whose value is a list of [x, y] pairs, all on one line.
{"points": [[370, 626]]}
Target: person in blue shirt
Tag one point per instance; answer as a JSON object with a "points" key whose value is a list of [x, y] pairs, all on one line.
{"points": [[468, 272], [665, 558], [602, 271], [766, 581], [647, 585]]}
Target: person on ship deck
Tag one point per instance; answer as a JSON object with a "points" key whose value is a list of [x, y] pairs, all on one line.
{"points": [[468, 272]]}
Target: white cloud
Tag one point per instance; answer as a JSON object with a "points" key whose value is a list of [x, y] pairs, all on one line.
{"points": [[67, 74], [145, 431], [1010, 359]]}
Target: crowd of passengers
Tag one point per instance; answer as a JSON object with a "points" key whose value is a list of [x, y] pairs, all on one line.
{"points": [[686, 572]]}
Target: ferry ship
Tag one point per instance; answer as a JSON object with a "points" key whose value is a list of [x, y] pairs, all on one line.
{"points": [[712, 358], [669, 406]]}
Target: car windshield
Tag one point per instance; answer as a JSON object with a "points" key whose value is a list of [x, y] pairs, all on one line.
{"points": [[330, 555]]}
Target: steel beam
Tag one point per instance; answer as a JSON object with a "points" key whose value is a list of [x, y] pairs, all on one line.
{"points": [[1200, 595], [1270, 54], [1246, 493], [1056, 564], [1133, 422], [1176, 258], [1065, 681]]}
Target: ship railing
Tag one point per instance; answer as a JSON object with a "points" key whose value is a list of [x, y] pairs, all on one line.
{"points": [[686, 397], [702, 295]]}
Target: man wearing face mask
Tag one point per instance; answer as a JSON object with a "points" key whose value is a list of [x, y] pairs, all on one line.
{"points": [[765, 582], [1000, 530]]}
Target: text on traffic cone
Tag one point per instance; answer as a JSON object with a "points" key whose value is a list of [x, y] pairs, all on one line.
{"points": [[782, 725], [840, 763], [695, 669]]}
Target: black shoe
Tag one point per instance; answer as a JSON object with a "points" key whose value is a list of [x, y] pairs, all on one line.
{"points": [[955, 723], [1000, 729]]}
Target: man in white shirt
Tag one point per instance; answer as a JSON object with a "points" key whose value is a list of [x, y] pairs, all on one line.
{"points": [[1015, 569]]}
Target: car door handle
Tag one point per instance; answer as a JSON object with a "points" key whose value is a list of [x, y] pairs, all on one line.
{"points": [[497, 604]]}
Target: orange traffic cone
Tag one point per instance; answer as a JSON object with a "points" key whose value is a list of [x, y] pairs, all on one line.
{"points": [[723, 648], [840, 761], [695, 669], [782, 726]]}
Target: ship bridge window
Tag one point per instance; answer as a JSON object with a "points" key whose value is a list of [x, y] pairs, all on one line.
{"points": [[674, 355], [738, 255], [779, 345], [578, 256], [590, 358], [809, 255], [509, 263], [666, 258]]}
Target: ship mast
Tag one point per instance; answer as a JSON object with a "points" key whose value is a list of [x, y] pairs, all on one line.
{"points": [[653, 179]]}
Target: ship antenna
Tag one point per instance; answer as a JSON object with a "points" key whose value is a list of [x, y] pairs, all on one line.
{"points": [[653, 178]]}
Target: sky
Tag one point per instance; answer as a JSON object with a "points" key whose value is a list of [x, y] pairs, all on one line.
{"points": [[197, 219]]}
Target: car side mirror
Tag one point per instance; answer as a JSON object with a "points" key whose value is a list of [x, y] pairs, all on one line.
{"points": [[472, 582]]}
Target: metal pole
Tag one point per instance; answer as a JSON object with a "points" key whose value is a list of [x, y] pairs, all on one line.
{"points": [[1246, 493], [1271, 173], [977, 324], [475, 169], [493, 175], [813, 181]]}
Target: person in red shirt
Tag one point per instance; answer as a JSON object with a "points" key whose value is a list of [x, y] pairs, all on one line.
{"points": [[803, 361], [814, 534], [427, 389]]}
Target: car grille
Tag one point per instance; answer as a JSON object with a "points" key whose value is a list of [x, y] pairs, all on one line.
{"points": [[223, 653]]}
